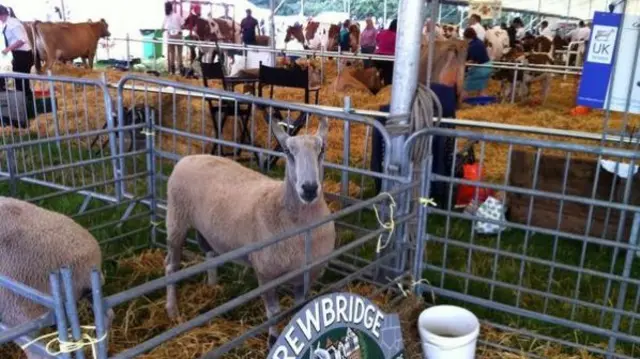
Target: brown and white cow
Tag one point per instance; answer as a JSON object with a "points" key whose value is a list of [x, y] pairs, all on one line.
{"points": [[449, 31], [497, 41], [213, 29], [68, 41], [312, 36], [524, 79]]}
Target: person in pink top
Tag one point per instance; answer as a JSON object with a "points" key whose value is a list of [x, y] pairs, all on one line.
{"points": [[368, 40], [386, 45]]}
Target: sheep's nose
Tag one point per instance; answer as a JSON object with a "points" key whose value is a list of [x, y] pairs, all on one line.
{"points": [[309, 190]]}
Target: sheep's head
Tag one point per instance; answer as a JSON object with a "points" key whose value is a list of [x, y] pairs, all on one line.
{"points": [[305, 154]]}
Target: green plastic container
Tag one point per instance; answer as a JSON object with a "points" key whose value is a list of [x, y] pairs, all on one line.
{"points": [[151, 50]]}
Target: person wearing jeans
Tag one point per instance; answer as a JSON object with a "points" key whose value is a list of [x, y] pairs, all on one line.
{"points": [[173, 26], [368, 40], [17, 42]]}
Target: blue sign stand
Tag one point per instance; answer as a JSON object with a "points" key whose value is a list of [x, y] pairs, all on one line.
{"points": [[599, 60]]}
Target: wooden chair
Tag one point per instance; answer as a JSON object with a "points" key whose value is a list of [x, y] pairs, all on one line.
{"points": [[225, 109], [296, 78]]}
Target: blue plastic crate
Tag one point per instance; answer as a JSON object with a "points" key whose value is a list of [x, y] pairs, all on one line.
{"points": [[480, 101]]}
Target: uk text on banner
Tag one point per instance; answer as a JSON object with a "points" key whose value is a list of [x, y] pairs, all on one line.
{"points": [[340, 325], [598, 67]]}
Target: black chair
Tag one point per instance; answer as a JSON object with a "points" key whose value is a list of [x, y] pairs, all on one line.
{"points": [[225, 109], [296, 78]]}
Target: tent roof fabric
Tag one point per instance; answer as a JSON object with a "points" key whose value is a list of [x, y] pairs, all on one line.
{"points": [[582, 9]]}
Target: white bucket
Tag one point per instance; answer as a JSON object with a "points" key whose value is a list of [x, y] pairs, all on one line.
{"points": [[448, 332]]}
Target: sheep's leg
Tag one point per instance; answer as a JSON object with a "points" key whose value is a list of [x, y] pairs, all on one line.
{"points": [[272, 305], [212, 274], [175, 242]]}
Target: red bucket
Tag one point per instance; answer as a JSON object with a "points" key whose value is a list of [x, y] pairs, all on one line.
{"points": [[41, 93]]}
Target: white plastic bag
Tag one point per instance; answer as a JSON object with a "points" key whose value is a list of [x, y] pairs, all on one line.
{"points": [[491, 209]]}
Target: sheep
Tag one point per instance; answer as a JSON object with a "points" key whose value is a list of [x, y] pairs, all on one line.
{"points": [[231, 206], [33, 243]]}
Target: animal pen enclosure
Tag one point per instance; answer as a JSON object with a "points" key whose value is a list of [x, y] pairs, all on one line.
{"points": [[536, 286]]}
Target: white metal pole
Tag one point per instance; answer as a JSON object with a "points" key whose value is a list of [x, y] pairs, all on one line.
{"points": [[384, 14], [272, 25], [406, 67], [64, 10]]}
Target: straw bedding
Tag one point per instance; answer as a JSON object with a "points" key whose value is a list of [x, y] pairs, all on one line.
{"points": [[192, 115], [145, 317]]}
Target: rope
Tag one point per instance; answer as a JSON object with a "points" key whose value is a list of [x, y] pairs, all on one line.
{"points": [[66, 347], [391, 224], [414, 283]]}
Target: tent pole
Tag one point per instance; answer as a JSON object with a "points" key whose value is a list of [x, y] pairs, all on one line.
{"points": [[384, 14], [272, 26], [64, 11], [406, 67]]}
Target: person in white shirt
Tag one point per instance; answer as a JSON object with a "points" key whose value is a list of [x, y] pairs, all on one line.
{"points": [[17, 42], [582, 33], [173, 26], [545, 30], [475, 24]]}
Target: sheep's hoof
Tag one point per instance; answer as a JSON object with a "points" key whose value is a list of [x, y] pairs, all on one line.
{"points": [[272, 341]]}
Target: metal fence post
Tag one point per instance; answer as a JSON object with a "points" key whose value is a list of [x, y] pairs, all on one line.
{"points": [[405, 83], [128, 50], [54, 111], [58, 300], [99, 312], [346, 150], [118, 165], [12, 168], [151, 166]]}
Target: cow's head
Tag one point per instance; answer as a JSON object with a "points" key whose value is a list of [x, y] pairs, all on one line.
{"points": [[104, 28], [295, 33], [311, 30], [333, 37], [354, 37], [190, 22], [451, 31]]}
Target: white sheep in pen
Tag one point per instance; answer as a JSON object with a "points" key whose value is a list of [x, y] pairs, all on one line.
{"points": [[232, 206], [33, 243]]}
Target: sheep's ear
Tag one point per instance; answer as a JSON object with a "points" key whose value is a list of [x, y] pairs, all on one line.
{"points": [[323, 129], [280, 134]]}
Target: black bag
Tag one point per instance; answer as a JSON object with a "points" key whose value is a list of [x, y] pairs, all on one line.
{"points": [[443, 146]]}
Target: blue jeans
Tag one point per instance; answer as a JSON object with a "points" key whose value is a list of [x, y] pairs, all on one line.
{"points": [[368, 50]]}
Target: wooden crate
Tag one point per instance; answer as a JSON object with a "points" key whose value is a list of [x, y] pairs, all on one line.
{"points": [[580, 179]]}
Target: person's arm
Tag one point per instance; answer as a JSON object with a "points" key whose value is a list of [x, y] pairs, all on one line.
{"points": [[13, 46], [21, 34]]}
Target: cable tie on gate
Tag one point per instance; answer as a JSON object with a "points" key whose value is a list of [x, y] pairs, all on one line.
{"points": [[67, 347], [413, 285], [156, 224], [389, 226], [424, 201], [148, 132]]}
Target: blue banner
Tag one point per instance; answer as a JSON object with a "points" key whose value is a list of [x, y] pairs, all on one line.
{"points": [[599, 60]]}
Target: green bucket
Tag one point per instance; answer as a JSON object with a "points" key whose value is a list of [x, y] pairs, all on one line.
{"points": [[151, 50]]}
